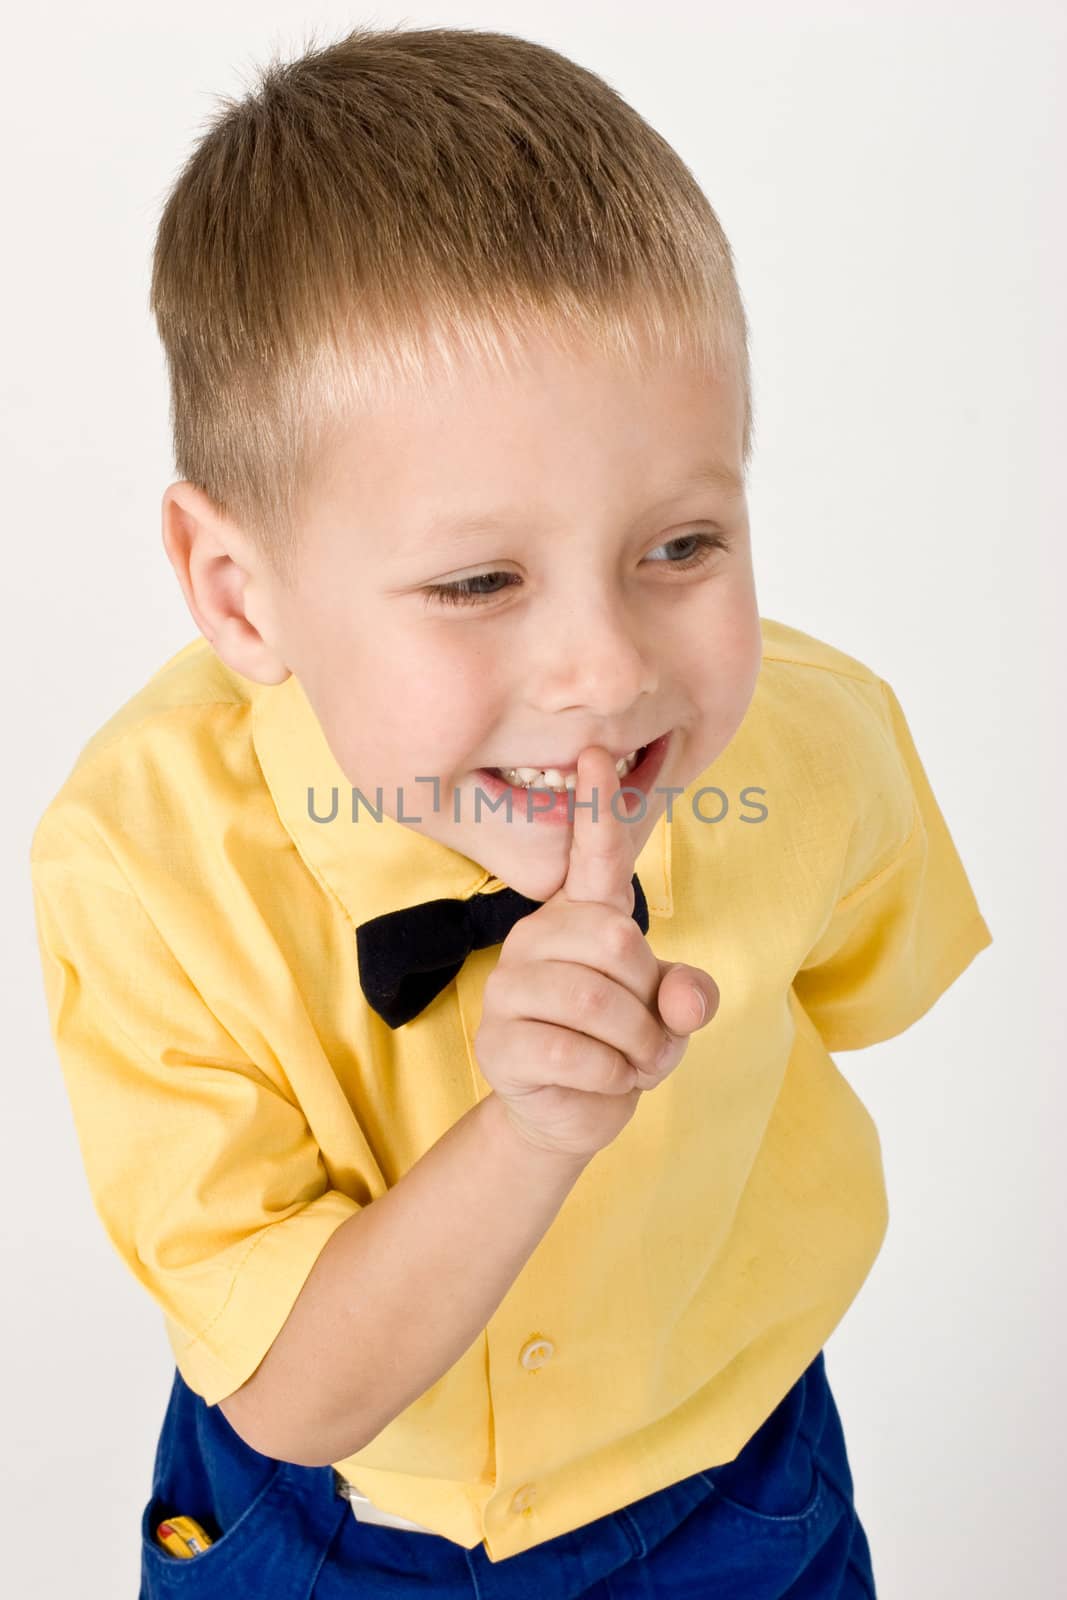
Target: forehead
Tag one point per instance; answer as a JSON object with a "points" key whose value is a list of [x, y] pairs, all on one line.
{"points": [[550, 416]]}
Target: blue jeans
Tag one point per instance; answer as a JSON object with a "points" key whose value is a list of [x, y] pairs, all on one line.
{"points": [[776, 1523]]}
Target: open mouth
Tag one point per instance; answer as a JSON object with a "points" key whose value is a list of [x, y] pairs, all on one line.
{"points": [[543, 804]]}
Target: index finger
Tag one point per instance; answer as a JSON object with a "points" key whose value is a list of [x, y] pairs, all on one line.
{"points": [[601, 864]]}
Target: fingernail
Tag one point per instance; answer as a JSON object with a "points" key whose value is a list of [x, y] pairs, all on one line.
{"points": [[703, 1004]]}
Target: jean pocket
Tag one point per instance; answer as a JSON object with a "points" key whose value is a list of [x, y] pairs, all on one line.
{"points": [[785, 1493], [272, 1548]]}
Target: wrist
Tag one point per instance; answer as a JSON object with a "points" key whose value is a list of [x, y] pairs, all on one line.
{"points": [[525, 1148]]}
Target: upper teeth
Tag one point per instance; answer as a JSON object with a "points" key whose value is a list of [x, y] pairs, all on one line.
{"points": [[552, 778]]}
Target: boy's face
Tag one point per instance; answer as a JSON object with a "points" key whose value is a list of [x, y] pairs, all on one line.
{"points": [[600, 623]]}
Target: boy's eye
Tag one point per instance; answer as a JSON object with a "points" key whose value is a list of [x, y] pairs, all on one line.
{"points": [[466, 591]]}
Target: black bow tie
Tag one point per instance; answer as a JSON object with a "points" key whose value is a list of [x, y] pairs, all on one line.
{"points": [[407, 957]]}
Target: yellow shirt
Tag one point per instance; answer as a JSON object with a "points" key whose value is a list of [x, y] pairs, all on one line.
{"points": [[236, 1099]]}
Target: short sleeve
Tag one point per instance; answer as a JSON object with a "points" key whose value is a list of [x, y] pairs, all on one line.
{"points": [[896, 941], [206, 1177]]}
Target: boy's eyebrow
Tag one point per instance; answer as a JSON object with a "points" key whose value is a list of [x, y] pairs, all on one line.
{"points": [[711, 474]]}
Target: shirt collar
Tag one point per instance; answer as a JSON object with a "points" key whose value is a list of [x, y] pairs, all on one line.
{"points": [[374, 867]]}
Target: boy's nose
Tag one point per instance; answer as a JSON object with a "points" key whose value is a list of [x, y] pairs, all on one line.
{"points": [[593, 658]]}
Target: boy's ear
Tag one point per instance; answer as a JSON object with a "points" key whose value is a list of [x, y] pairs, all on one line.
{"points": [[226, 584]]}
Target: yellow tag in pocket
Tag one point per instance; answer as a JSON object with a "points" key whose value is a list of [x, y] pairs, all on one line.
{"points": [[183, 1537]]}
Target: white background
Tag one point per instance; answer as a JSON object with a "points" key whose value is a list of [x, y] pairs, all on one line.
{"points": [[891, 177]]}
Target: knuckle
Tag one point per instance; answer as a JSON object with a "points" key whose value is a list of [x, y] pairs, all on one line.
{"points": [[520, 935], [559, 1049], [620, 936], [588, 995], [495, 992], [513, 948]]}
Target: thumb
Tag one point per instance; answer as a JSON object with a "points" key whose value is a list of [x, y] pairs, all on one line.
{"points": [[688, 997]]}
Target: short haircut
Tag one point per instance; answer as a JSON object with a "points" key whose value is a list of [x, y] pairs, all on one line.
{"points": [[395, 197]]}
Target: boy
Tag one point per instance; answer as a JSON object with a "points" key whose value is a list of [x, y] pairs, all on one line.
{"points": [[471, 1209]]}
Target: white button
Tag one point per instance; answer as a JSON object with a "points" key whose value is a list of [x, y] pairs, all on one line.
{"points": [[536, 1352], [522, 1500]]}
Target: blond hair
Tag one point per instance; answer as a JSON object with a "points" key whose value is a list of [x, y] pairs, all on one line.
{"points": [[393, 198]]}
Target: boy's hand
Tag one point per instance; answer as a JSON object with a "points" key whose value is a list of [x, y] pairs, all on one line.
{"points": [[579, 1016]]}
